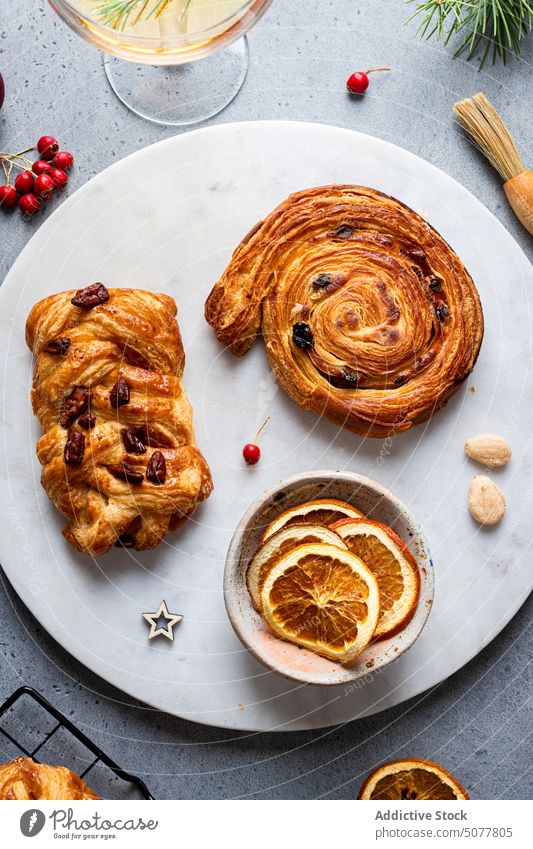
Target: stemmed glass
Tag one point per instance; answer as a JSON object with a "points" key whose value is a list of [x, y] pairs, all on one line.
{"points": [[151, 48]]}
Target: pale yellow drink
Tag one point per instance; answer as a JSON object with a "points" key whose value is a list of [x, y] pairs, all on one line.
{"points": [[195, 22]]}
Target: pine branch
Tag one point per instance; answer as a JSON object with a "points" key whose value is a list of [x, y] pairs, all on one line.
{"points": [[118, 13], [494, 26]]}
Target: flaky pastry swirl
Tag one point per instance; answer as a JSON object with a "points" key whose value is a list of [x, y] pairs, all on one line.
{"points": [[118, 452], [368, 316], [24, 779]]}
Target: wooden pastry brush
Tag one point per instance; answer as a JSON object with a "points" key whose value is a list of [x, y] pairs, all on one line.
{"points": [[485, 126]]}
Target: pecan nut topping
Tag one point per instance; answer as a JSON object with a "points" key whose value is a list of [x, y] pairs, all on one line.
{"points": [[57, 346], [120, 394], [74, 447], [156, 470], [75, 405], [126, 473], [87, 422], [132, 443], [91, 296]]}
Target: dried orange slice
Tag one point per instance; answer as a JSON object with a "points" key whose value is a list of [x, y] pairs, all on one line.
{"points": [[323, 598], [325, 512], [393, 565], [412, 779], [279, 544]]}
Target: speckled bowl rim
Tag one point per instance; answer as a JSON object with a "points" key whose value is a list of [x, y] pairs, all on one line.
{"points": [[236, 591]]}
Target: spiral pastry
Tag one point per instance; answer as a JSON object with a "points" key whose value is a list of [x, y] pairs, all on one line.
{"points": [[368, 316], [24, 779]]}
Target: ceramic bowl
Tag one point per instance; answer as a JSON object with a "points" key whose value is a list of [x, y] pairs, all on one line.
{"points": [[283, 657]]}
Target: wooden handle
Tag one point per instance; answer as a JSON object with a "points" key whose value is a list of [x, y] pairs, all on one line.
{"points": [[519, 193]]}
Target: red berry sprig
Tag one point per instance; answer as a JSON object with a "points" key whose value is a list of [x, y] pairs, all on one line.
{"points": [[38, 180], [357, 83], [251, 451]]}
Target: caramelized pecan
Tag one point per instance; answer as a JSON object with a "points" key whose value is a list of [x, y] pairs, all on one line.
{"points": [[132, 443], [91, 296], [74, 447], [57, 346], [120, 394], [127, 473], [73, 406], [87, 422], [156, 470]]}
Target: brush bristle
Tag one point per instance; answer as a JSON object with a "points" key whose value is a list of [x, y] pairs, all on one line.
{"points": [[489, 133]]}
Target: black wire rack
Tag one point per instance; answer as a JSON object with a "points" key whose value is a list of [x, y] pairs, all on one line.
{"points": [[62, 722]]}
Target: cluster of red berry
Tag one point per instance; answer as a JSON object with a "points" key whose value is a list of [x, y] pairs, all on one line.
{"points": [[36, 181]]}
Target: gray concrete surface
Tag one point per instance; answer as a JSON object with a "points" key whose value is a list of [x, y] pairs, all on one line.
{"points": [[479, 722]]}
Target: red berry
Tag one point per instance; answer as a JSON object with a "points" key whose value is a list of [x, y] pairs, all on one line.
{"points": [[63, 160], [29, 204], [358, 82], [47, 147], [8, 197], [40, 167], [59, 177], [251, 453], [44, 186], [24, 182]]}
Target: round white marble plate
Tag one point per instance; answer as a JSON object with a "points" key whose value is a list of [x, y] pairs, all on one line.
{"points": [[173, 229]]}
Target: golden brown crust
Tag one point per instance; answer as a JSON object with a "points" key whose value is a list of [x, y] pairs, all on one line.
{"points": [[24, 779], [394, 318], [134, 336]]}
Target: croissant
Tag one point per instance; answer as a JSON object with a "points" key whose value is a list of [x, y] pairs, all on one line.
{"points": [[118, 449], [24, 779], [368, 316]]}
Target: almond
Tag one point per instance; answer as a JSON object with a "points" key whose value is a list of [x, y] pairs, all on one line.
{"points": [[490, 450], [485, 501]]}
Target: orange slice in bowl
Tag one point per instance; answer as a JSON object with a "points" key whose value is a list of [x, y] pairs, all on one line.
{"points": [[412, 779], [393, 566], [322, 598], [276, 546], [325, 512]]}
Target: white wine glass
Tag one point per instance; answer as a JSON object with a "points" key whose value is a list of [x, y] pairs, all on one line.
{"points": [[173, 62]]}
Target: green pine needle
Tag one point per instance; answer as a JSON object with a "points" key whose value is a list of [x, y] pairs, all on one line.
{"points": [[118, 13], [489, 26]]}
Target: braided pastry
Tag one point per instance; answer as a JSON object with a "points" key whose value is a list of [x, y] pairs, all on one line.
{"points": [[368, 316], [23, 779], [118, 452]]}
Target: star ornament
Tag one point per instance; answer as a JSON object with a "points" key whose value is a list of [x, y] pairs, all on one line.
{"points": [[153, 619]]}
